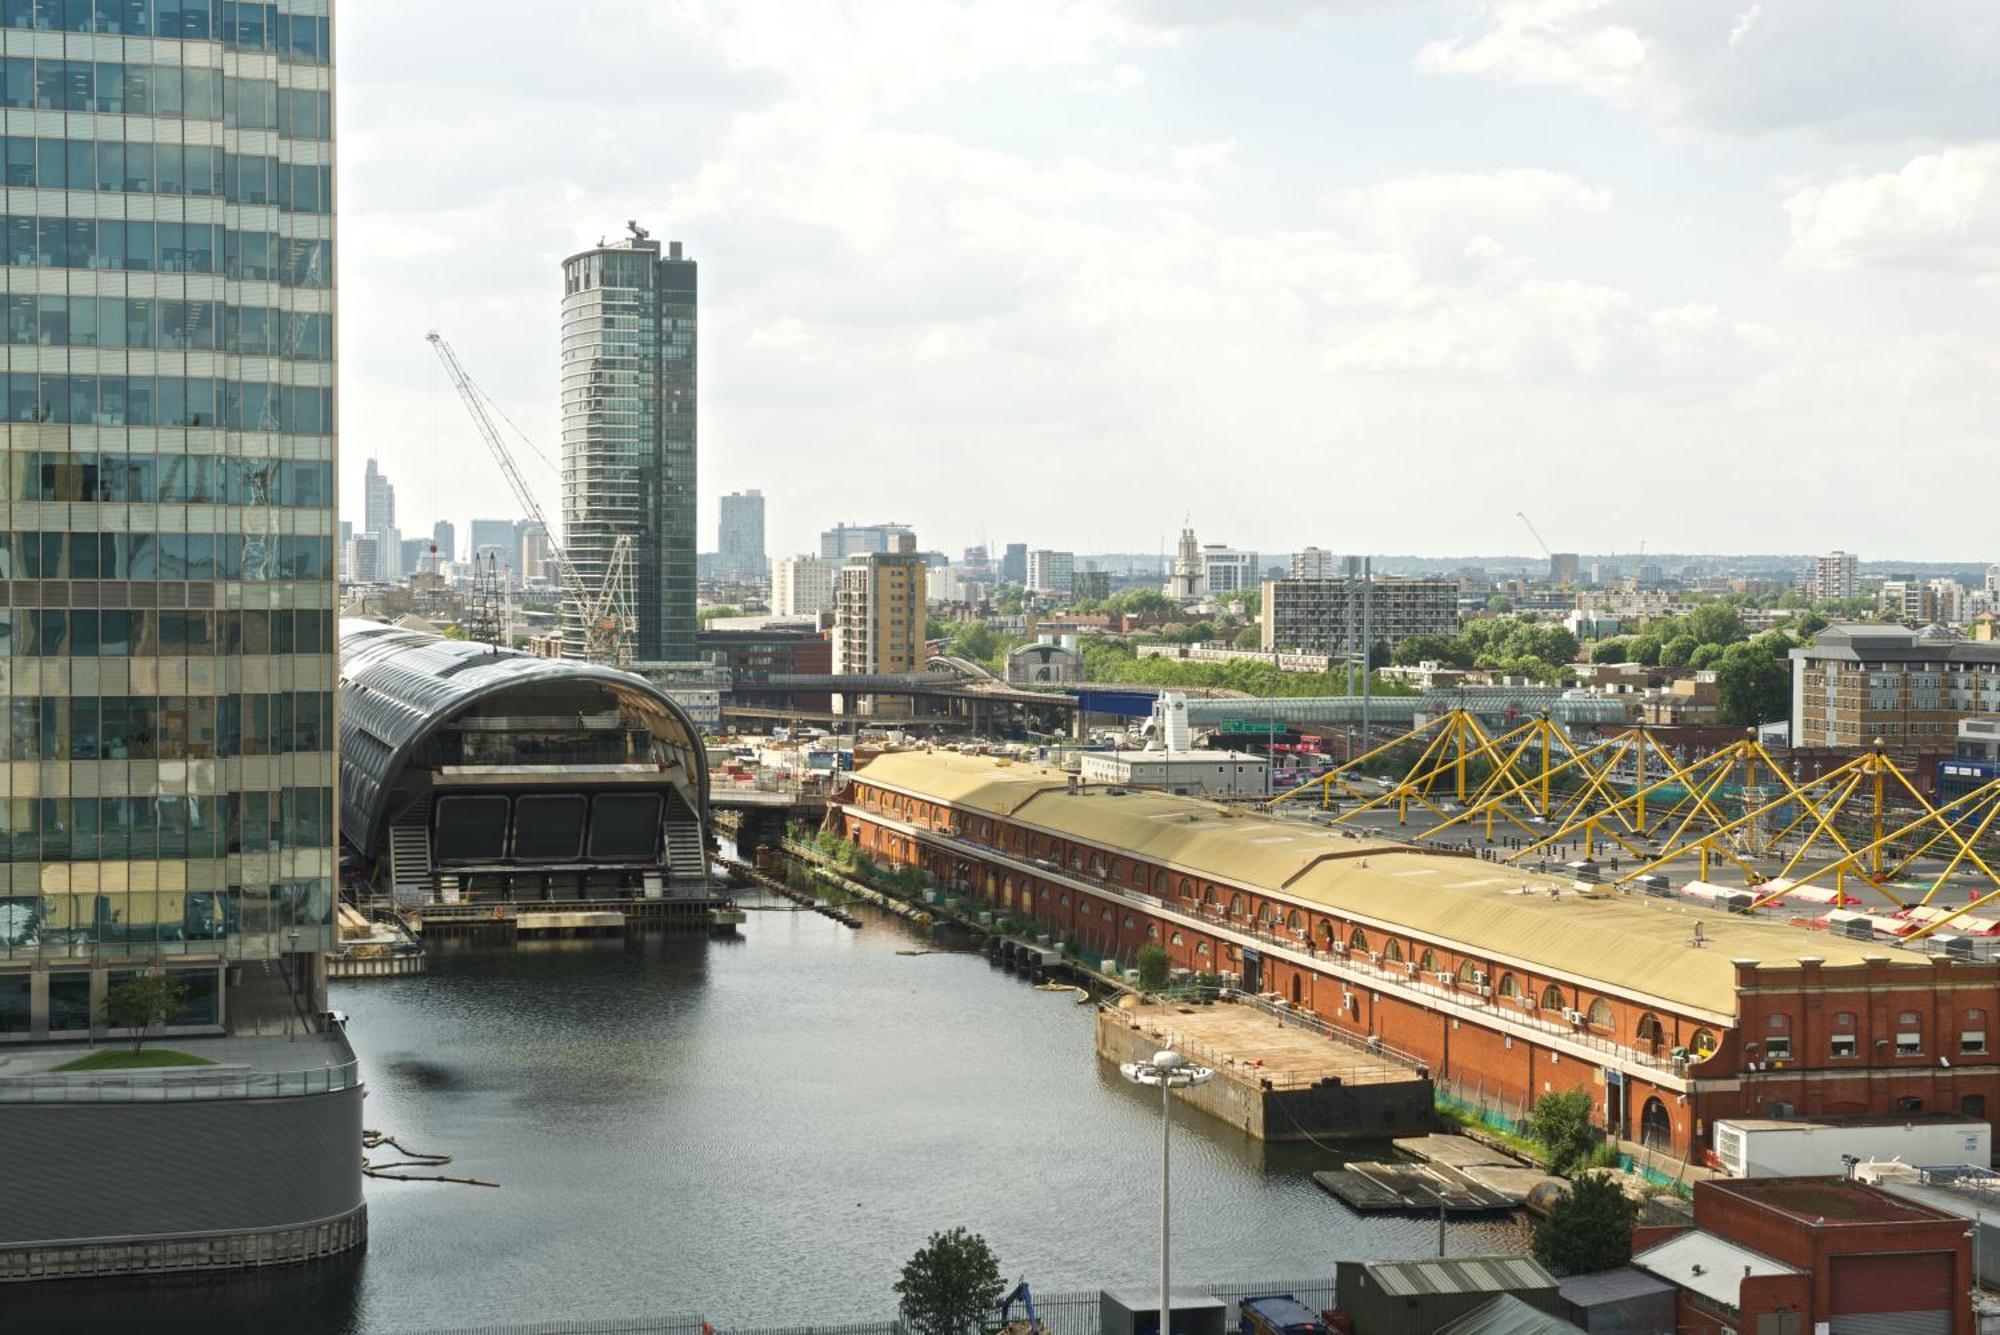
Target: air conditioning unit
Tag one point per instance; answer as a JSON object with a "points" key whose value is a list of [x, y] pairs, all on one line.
{"points": [[1410, 967], [1338, 947], [1374, 957], [1482, 990], [1444, 976], [1573, 1016], [1525, 1003], [1479, 975]]}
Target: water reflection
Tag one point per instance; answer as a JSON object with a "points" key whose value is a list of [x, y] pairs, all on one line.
{"points": [[760, 1131]]}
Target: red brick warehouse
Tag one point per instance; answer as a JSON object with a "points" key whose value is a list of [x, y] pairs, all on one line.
{"points": [[1505, 982]]}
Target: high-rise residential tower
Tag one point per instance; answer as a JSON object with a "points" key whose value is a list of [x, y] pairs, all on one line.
{"points": [[628, 412], [169, 363], [1835, 576], [740, 541]]}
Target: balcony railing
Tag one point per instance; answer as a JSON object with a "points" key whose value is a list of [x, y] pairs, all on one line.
{"points": [[177, 1084]]}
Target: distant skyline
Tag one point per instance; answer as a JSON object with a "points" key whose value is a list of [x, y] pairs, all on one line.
{"points": [[1361, 275]]}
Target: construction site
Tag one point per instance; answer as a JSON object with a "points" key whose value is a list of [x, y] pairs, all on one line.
{"points": [[1860, 848]]}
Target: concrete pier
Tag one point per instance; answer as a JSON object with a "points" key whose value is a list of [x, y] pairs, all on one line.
{"points": [[1274, 1081]]}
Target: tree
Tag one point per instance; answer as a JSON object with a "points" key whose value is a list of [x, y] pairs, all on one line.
{"points": [[1610, 651], [455, 632], [1417, 649], [1249, 638], [141, 1002], [951, 1286], [1676, 653], [1705, 656], [708, 614], [1499, 604], [973, 640], [1752, 687], [1154, 966], [1646, 649], [1561, 1124], [1813, 624], [1715, 623], [1589, 1229]]}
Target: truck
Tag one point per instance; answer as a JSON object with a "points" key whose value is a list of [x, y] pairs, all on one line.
{"points": [[1278, 1314], [1775, 1147]]}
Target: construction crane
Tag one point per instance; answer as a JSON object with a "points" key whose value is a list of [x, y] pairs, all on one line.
{"points": [[606, 610], [1522, 515]]}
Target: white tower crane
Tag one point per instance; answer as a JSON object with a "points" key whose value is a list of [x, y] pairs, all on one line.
{"points": [[606, 610]]}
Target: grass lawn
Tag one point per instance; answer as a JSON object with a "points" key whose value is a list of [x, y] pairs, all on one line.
{"points": [[124, 1059]]}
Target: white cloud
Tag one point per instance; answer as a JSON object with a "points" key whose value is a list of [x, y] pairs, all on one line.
{"points": [[1856, 68], [1940, 211], [988, 327]]}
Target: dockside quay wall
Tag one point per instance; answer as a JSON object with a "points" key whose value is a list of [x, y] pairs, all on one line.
{"points": [[1861, 1031], [155, 1186], [1328, 1110]]}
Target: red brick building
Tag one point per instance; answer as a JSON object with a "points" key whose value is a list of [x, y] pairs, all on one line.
{"points": [[1794, 1255], [1506, 983]]}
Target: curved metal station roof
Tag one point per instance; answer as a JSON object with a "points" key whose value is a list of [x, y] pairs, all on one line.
{"points": [[399, 685]]}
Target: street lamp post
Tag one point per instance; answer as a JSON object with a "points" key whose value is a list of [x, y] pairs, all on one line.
{"points": [[1170, 1072]]}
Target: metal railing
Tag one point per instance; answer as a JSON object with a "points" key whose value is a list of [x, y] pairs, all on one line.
{"points": [[176, 1084], [1076, 1312]]}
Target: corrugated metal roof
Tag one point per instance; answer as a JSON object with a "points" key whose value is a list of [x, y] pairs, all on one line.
{"points": [[1508, 1315], [398, 686], [1707, 1264], [1611, 1286], [1644, 943], [1459, 1274]]}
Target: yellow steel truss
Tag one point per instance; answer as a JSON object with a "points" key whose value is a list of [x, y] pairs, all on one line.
{"points": [[1865, 824]]}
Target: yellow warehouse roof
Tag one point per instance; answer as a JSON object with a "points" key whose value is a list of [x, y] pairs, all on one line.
{"points": [[1635, 943]]}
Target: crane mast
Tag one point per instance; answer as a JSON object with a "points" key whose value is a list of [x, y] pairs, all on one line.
{"points": [[606, 611]]}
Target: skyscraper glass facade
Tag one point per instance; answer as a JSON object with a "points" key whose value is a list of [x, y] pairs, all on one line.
{"points": [[166, 551], [628, 402]]}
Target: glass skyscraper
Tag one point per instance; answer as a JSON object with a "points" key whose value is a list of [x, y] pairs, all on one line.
{"points": [[166, 558], [628, 413]]}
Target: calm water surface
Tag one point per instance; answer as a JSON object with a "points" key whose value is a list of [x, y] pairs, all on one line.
{"points": [[759, 1130]]}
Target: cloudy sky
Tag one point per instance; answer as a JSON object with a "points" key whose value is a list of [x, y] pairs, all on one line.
{"points": [[1371, 274]]}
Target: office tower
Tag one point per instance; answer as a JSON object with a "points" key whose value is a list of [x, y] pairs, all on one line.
{"points": [[802, 586], [1014, 564], [444, 538], [378, 510], [845, 540], [1224, 570], [740, 539], [362, 559], [1836, 576], [535, 553], [879, 611], [493, 534], [170, 401], [378, 514], [628, 407], [1563, 568], [1051, 572]]}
